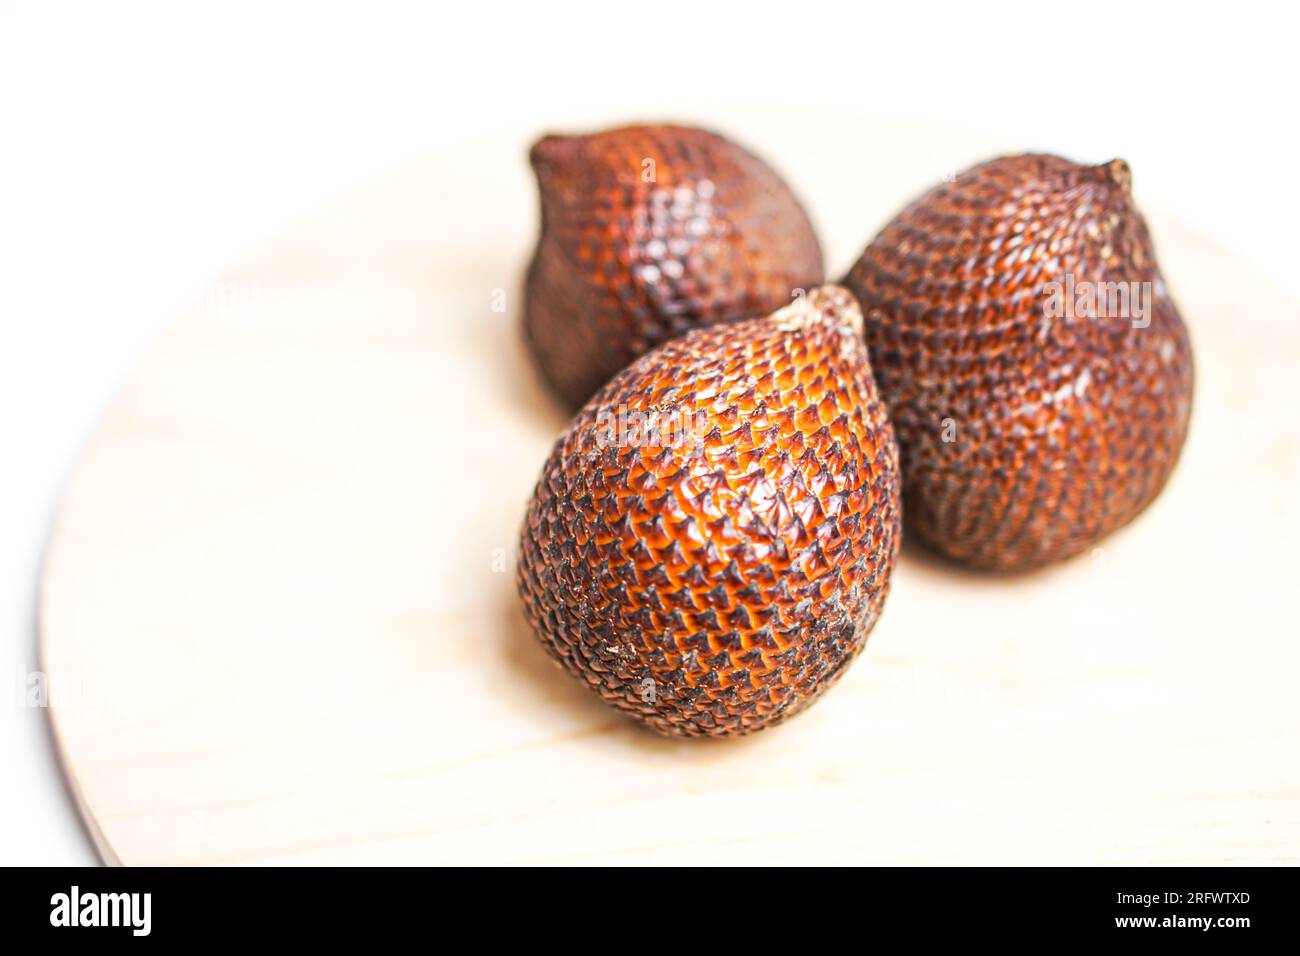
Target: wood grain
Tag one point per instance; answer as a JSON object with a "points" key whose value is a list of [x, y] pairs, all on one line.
{"points": [[283, 579]]}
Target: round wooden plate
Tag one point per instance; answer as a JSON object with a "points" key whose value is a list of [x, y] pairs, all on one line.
{"points": [[280, 621]]}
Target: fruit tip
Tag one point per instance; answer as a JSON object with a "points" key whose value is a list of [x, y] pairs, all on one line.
{"points": [[827, 303], [1119, 173], [550, 149]]}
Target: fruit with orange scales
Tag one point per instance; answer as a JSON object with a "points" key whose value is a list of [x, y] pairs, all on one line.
{"points": [[711, 540]]}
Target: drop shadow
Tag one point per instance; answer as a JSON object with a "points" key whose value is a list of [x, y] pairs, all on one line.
{"points": [[920, 557], [554, 688], [497, 338], [521, 376]]}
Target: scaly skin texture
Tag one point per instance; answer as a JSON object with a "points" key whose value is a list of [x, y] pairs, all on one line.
{"points": [[648, 232], [1027, 435], [714, 570]]}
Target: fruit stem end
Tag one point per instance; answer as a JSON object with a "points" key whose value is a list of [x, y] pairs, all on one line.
{"points": [[1119, 173], [827, 303]]}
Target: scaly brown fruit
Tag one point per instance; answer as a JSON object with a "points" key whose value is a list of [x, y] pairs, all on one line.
{"points": [[711, 539], [1030, 425], [648, 232]]}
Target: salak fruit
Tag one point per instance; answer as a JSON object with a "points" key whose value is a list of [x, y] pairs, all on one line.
{"points": [[711, 540], [1036, 370], [648, 232]]}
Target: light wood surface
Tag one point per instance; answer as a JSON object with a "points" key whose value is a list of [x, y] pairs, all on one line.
{"points": [[282, 579]]}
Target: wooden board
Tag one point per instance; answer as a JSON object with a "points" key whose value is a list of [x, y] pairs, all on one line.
{"points": [[282, 579]]}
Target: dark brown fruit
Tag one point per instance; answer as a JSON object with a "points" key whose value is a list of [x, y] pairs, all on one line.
{"points": [[648, 232], [711, 539], [1028, 428]]}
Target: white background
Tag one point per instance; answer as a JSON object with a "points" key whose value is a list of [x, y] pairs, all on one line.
{"points": [[145, 147]]}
